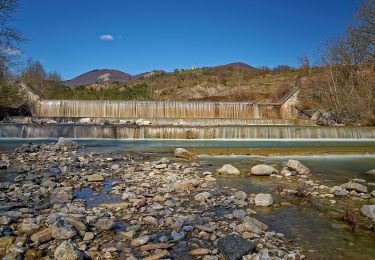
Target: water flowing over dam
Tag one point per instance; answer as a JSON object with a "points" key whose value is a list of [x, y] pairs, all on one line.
{"points": [[156, 109], [183, 132]]}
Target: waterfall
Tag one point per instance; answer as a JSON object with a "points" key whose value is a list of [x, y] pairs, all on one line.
{"points": [[156, 109], [183, 132]]}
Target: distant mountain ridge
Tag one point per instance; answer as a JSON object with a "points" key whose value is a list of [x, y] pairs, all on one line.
{"points": [[102, 76]]}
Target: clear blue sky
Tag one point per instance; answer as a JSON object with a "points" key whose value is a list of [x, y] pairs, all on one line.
{"points": [[168, 34]]}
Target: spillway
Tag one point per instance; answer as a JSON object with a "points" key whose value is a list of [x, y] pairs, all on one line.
{"points": [[183, 132]]}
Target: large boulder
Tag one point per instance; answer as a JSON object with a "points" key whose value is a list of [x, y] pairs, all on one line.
{"points": [[185, 154], [354, 186], [369, 211], [263, 200], [228, 169], [234, 247], [263, 170], [297, 167]]}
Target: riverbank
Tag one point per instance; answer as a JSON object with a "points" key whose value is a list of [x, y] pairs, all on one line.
{"points": [[155, 209]]}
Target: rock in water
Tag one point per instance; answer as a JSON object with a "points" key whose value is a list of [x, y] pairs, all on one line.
{"points": [[369, 211], [185, 154], [68, 251], [294, 165], [263, 170], [263, 200], [95, 177], [233, 247], [338, 191], [104, 224], [228, 169], [354, 186]]}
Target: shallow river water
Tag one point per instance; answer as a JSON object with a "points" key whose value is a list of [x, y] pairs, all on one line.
{"points": [[313, 223]]}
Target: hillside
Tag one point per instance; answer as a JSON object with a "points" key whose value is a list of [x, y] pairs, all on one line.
{"points": [[230, 82]]}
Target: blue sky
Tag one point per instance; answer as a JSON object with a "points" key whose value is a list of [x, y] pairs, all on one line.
{"points": [[75, 36]]}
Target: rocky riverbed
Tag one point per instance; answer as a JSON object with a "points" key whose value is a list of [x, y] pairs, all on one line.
{"points": [[159, 209]]}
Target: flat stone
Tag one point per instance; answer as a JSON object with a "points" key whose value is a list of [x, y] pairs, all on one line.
{"points": [[95, 178], [187, 184], [42, 236], [263, 170], [354, 186], [29, 226], [233, 247], [61, 195], [228, 169], [5, 244], [203, 196], [149, 247], [338, 191], [139, 241], [199, 252], [88, 236]]}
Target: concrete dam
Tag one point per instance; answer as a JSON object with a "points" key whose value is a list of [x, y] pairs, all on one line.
{"points": [[172, 120]]}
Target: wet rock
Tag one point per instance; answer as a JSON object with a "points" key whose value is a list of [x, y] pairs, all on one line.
{"points": [[263, 170], [62, 230], [338, 191], [354, 186], [185, 154], [296, 166], [369, 211], [68, 251], [263, 200], [233, 247], [61, 195], [177, 236], [240, 195], [42, 236], [88, 236], [228, 169], [95, 178], [239, 213], [104, 224]]}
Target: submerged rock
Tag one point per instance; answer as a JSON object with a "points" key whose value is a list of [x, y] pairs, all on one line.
{"points": [[233, 247], [228, 169], [185, 154], [263, 170], [263, 200]]}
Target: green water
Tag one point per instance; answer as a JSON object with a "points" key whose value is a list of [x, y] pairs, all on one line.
{"points": [[314, 224]]}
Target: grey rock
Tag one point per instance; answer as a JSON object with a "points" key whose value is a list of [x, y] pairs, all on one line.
{"points": [[338, 191], [263, 200], [61, 195], [263, 170], [68, 251], [239, 213], [369, 211], [294, 165], [233, 247], [104, 224], [228, 169], [185, 154]]}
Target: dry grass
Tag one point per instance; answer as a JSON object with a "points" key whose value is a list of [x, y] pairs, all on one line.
{"points": [[351, 217]]}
